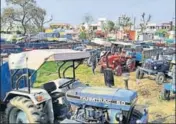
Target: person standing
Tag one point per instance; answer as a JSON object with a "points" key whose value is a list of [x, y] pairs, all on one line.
{"points": [[94, 62]]}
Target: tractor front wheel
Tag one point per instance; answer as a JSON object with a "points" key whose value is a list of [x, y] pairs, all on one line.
{"points": [[160, 78], [22, 110], [165, 94]]}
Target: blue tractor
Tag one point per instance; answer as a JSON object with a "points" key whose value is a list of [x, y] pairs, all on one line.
{"points": [[169, 88], [159, 67], [22, 103], [56, 100], [105, 105]]}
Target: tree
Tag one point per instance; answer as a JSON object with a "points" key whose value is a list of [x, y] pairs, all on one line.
{"points": [[39, 18], [21, 11], [125, 22], [88, 18], [144, 22], [25, 13], [110, 25], [6, 22]]}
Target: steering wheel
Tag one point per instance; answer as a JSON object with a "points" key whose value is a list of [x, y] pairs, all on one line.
{"points": [[67, 84]]}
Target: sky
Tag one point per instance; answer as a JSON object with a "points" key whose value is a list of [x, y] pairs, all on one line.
{"points": [[73, 11]]}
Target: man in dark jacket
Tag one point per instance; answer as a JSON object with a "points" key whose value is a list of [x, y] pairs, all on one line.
{"points": [[94, 62]]}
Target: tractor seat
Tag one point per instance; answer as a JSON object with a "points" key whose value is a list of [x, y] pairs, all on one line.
{"points": [[50, 87]]}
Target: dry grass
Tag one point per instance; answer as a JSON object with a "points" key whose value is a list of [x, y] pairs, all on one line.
{"points": [[148, 91]]}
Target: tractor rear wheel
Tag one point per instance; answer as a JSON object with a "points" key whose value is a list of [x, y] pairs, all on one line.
{"points": [[22, 110], [160, 78], [131, 64], [139, 74], [165, 94]]}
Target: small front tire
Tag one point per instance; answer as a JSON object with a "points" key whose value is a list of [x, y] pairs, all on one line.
{"points": [[160, 78]]}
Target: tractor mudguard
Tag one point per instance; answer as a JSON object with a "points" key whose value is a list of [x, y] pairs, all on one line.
{"points": [[33, 95], [37, 96]]}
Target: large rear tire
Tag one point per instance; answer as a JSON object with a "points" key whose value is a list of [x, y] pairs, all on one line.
{"points": [[139, 74], [22, 110], [131, 65]]}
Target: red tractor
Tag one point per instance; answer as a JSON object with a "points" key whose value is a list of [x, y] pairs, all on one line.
{"points": [[118, 62]]}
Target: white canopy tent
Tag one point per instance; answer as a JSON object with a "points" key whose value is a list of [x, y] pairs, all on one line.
{"points": [[35, 58]]}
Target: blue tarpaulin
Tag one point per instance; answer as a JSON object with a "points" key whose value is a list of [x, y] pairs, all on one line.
{"points": [[6, 83], [5, 80]]}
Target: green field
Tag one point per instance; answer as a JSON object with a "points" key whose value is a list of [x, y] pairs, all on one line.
{"points": [[148, 91]]}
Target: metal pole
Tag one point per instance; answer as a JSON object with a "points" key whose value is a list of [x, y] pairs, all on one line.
{"points": [[27, 78], [73, 69], [126, 84]]}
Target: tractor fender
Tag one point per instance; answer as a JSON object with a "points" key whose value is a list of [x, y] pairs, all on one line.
{"points": [[32, 97]]}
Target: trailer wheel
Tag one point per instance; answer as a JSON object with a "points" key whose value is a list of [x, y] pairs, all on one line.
{"points": [[22, 110], [160, 78], [165, 94], [139, 74]]}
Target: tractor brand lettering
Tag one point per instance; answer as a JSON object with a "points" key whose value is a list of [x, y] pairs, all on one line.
{"points": [[90, 99], [96, 100]]}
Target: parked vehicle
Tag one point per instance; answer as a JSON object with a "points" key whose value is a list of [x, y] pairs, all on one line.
{"points": [[156, 67]]}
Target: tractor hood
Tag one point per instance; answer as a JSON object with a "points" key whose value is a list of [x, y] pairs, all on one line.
{"points": [[111, 98]]}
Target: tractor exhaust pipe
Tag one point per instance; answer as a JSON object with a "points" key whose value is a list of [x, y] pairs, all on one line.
{"points": [[126, 79]]}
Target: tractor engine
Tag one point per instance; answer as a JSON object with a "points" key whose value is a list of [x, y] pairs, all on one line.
{"points": [[90, 115]]}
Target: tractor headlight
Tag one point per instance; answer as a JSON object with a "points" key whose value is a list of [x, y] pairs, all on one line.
{"points": [[39, 97], [138, 122], [155, 67], [119, 117]]}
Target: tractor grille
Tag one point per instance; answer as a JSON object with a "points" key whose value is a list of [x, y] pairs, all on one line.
{"points": [[148, 65]]}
